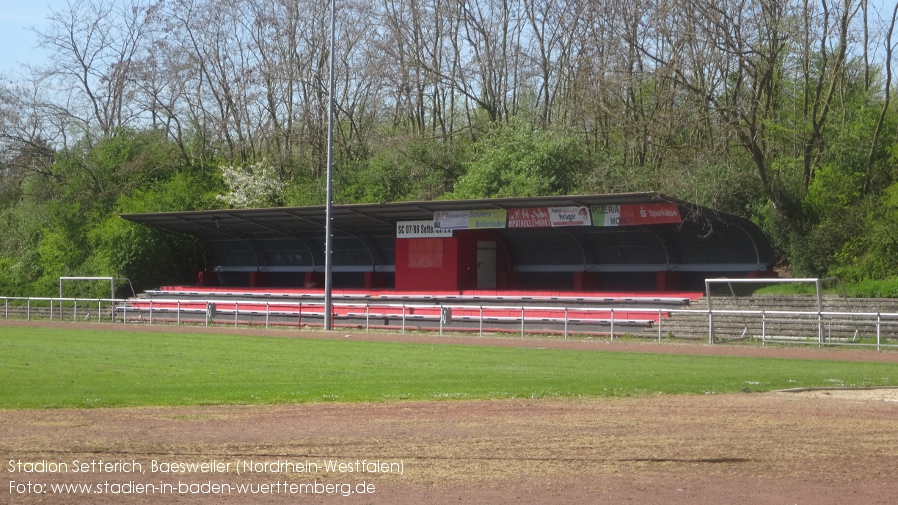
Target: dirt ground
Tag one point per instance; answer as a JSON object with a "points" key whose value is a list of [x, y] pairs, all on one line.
{"points": [[820, 447]]}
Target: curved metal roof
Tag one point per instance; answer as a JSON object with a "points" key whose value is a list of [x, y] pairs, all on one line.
{"points": [[292, 238]]}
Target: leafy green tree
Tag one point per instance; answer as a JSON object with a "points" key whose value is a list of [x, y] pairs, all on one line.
{"points": [[514, 160], [20, 267], [65, 221], [872, 253], [150, 257], [415, 169]]}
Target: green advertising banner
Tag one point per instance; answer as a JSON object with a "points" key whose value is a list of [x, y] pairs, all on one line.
{"points": [[470, 219]]}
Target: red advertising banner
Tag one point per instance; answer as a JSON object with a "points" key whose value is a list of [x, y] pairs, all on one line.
{"points": [[656, 213], [535, 217], [608, 215], [545, 217], [635, 215]]}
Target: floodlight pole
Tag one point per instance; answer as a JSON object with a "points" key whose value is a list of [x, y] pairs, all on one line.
{"points": [[328, 225]]}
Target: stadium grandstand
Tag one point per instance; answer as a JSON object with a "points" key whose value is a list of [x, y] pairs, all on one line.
{"points": [[618, 250]]}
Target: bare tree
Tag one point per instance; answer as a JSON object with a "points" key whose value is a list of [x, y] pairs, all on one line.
{"points": [[26, 137], [490, 31], [833, 48], [889, 47], [413, 47], [553, 30], [94, 46], [656, 85]]}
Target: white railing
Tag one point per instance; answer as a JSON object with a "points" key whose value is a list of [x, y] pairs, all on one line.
{"points": [[879, 329], [60, 309]]}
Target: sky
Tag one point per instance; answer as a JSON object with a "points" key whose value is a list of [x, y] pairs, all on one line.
{"points": [[17, 41]]}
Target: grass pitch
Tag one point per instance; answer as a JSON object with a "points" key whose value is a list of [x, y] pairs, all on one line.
{"points": [[46, 367]]}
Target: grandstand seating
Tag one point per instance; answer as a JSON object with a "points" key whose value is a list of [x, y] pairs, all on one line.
{"points": [[673, 299], [484, 311]]}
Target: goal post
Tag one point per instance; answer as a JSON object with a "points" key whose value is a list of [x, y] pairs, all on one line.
{"points": [[111, 281], [817, 282]]}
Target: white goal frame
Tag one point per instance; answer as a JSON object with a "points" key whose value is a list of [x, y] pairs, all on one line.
{"points": [[110, 279], [722, 280]]}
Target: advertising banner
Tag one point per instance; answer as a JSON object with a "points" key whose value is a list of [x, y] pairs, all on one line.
{"points": [[657, 213], [470, 219], [635, 215], [536, 217], [490, 218], [545, 217], [419, 229], [553, 217], [612, 215], [570, 216], [451, 219]]}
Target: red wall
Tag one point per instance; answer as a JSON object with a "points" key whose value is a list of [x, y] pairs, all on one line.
{"points": [[458, 270], [444, 277]]}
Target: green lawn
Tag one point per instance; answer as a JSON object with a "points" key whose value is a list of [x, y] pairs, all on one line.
{"points": [[42, 367]]}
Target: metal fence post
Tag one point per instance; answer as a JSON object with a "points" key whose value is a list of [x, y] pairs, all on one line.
{"points": [[819, 286], [820, 334], [481, 320], [659, 326], [612, 324], [522, 322], [878, 334], [710, 312], [763, 328], [565, 322]]}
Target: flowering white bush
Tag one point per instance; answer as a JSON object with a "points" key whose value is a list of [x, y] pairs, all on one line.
{"points": [[256, 185]]}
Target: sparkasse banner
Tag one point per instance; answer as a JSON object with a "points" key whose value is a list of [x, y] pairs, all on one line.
{"points": [[636, 215]]}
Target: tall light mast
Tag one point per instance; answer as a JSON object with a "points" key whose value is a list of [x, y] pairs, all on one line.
{"points": [[328, 225]]}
